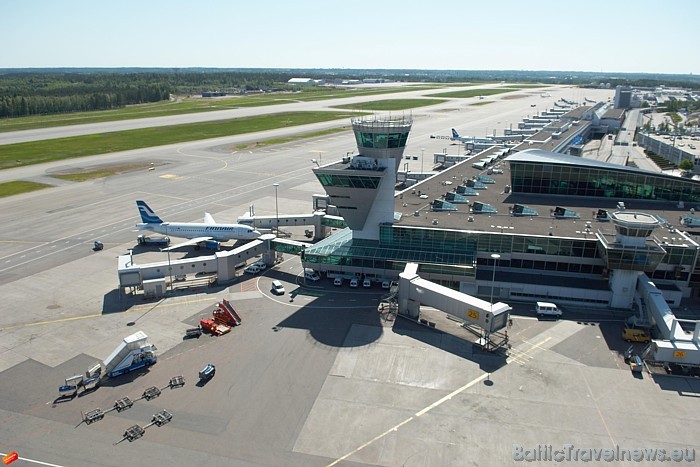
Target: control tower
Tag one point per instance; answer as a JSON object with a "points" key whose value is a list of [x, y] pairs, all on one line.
{"points": [[362, 186], [629, 253]]}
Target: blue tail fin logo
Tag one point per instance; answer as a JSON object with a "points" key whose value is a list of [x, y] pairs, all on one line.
{"points": [[454, 133], [147, 214]]}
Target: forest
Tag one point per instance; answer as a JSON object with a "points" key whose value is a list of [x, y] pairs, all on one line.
{"points": [[35, 91]]}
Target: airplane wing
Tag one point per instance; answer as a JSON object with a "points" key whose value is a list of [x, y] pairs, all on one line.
{"points": [[191, 241]]}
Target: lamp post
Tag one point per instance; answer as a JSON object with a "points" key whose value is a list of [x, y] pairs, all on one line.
{"points": [[277, 213], [170, 268], [495, 257]]}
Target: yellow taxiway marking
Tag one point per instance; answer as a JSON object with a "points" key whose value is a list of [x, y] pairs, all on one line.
{"points": [[416, 415], [430, 407], [135, 309]]}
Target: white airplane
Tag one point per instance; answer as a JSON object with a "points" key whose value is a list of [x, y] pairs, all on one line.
{"points": [[469, 139], [208, 234]]}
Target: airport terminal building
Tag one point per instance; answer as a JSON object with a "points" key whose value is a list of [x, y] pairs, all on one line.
{"points": [[544, 226]]}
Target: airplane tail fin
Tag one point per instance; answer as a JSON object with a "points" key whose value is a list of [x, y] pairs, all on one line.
{"points": [[147, 214], [454, 133], [208, 219]]}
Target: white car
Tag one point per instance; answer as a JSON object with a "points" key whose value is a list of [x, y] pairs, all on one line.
{"points": [[277, 288], [311, 275], [386, 284], [252, 269], [354, 282], [260, 264], [338, 281], [366, 283]]}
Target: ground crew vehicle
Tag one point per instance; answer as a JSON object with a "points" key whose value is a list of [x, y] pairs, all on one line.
{"points": [[547, 310], [636, 335], [147, 240], [98, 245], [207, 373], [277, 288]]}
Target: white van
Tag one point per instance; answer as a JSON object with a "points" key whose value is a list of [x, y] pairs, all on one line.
{"points": [[547, 310], [311, 275], [277, 288]]}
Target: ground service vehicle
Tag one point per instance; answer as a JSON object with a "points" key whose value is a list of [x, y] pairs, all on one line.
{"points": [[636, 335], [207, 373], [147, 240], [98, 245], [131, 354], [252, 269], [354, 282], [311, 275], [367, 283], [338, 281], [547, 310], [277, 288]]}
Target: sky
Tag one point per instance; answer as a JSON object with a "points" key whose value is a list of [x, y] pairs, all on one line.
{"points": [[593, 35]]}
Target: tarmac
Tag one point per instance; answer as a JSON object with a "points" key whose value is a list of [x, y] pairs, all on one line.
{"points": [[318, 376]]}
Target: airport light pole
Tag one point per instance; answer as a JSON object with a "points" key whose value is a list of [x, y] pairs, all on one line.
{"points": [[495, 257], [421, 159], [170, 268], [277, 213]]}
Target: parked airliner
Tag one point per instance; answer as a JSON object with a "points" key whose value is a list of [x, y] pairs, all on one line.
{"points": [[469, 139], [197, 233]]}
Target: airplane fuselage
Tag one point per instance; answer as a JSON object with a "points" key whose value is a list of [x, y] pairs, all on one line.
{"points": [[218, 232]]}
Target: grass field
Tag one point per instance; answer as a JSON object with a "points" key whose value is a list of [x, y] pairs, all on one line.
{"points": [[186, 104], [473, 92], [270, 142], [15, 188], [391, 104], [100, 172], [36, 152]]}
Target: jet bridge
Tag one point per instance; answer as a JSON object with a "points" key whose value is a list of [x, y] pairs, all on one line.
{"points": [[223, 264], [415, 291], [677, 345]]}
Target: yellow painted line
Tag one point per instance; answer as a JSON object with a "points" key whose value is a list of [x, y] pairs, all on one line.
{"points": [[417, 414], [452, 394], [395, 428], [431, 406], [134, 309]]}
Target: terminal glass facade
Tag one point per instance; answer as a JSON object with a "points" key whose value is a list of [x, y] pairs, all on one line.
{"points": [[580, 180]]}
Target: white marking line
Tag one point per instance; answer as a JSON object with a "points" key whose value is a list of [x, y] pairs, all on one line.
{"points": [[2, 454], [417, 414]]}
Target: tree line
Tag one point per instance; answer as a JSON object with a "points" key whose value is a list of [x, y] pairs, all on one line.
{"points": [[34, 93]]}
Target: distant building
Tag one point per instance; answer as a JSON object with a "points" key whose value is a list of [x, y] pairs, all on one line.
{"points": [[305, 81], [623, 97]]}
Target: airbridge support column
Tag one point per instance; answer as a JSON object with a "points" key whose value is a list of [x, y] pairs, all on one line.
{"points": [[408, 306]]}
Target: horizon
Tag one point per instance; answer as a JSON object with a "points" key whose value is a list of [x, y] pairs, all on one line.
{"points": [[362, 35]]}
